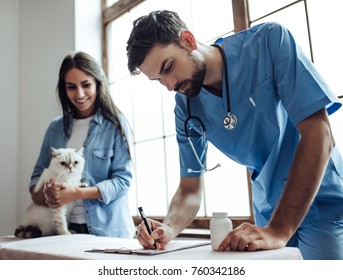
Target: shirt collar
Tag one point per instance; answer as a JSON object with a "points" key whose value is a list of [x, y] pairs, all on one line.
{"points": [[98, 117]]}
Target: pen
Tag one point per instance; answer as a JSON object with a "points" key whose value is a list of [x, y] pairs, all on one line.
{"points": [[140, 209]]}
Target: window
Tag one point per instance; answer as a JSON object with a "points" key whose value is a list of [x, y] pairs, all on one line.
{"points": [[149, 109], [149, 106], [315, 25]]}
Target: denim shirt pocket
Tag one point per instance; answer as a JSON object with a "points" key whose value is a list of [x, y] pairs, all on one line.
{"points": [[102, 162]]}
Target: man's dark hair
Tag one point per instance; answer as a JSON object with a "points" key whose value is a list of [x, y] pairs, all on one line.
{"points": [[158, 28]]}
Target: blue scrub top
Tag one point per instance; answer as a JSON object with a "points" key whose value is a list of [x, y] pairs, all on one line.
{"points": [[273, 87]]}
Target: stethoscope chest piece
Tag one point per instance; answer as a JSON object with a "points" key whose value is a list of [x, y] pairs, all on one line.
{"points": [[230, 121]]}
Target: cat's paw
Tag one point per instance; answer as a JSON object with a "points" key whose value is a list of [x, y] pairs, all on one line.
{"points": [[28, 232], [19, 232], [63, 232]]}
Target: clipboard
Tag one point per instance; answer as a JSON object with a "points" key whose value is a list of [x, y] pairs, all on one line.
{"points": [[175, 245]]}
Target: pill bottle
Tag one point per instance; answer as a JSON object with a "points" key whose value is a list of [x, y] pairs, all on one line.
{"points": [[220, 226]]}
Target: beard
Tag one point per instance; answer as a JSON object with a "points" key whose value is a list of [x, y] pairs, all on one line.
{"points": [[197, 80]]}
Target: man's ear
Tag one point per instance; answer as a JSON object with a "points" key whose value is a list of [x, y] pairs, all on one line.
{"points": [[187, 39]]}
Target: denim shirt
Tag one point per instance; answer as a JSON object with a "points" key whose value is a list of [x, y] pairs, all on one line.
{"points": [[108, 166]]}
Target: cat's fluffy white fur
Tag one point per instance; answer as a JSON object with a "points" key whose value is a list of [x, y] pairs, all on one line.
{"points": [[66, 166]]}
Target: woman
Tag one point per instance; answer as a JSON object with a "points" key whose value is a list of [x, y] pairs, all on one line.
{"points": [[92, 120]]}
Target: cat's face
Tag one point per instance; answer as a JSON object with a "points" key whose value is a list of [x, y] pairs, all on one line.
{"points": [[67, 161]]}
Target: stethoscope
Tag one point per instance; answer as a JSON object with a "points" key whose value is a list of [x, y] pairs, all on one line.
{"points": [[229, 121]]}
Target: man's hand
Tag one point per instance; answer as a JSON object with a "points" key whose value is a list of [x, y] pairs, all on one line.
{"points": [[161, 233], [248, 237]]}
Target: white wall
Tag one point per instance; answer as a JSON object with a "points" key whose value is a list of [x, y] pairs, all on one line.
{"points": [[88, 27], [9, 50], [35, 36]]}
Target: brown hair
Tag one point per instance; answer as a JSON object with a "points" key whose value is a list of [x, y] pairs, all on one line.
{"points": [[157, 28], [103, 102]]}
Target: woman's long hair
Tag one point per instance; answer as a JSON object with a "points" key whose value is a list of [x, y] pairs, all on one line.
{"points": [[103, 102]]}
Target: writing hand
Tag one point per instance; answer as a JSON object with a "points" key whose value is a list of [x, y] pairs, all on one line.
{"points": [[160, 232]]}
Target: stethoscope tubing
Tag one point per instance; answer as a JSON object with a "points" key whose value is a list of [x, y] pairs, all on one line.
{"points": [[229, 121]]}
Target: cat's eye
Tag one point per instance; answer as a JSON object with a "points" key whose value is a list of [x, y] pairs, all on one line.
{"points": [[63, 163], [76, 162]]}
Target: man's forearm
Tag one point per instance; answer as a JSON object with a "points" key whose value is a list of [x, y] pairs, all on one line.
{"points": [[183, 208], [304, 179]]}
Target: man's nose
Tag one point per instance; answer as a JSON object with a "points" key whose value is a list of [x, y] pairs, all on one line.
{"points": [[169, 82]]}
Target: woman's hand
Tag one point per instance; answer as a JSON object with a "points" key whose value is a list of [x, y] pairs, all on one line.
{"points": [[38, 197], [58, 194]]}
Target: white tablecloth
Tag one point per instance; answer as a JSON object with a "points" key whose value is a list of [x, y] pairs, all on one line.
{"points": [[74, 246]]}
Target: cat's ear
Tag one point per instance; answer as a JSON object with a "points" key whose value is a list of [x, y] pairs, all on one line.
{"points": [[80, 150], [54, 152]]}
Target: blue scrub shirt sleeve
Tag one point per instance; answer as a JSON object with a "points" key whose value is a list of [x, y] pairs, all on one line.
{"points": [[300, 86]]}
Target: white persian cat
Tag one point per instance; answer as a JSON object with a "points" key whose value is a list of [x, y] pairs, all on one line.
{"points": [[66, 166]]}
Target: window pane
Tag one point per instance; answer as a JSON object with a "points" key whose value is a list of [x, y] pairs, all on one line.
{"points": [[119, 31], [327, 49], [182, 7], [211, 22], [293, 18], [151, 177], [172, 165], [258, 8], [327, 43], [121, 92], [147, 108], [225, 187], [110, 2], [168, 103]]}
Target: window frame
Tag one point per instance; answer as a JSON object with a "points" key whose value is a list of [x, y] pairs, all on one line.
{"points": [[241, 22]]}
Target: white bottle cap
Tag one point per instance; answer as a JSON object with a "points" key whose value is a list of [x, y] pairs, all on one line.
{"points": [[220, 214]]}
